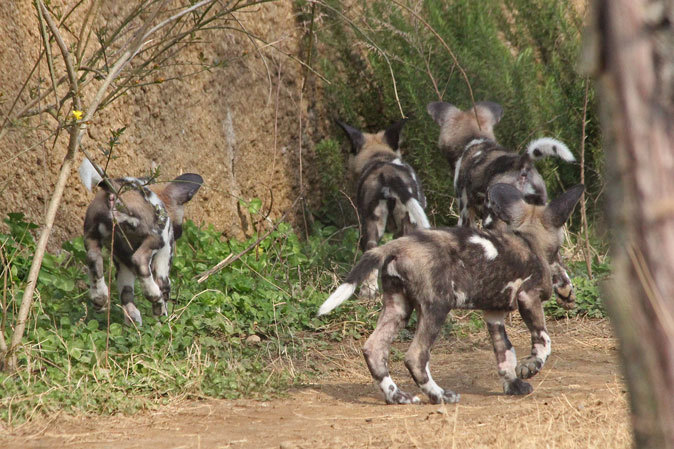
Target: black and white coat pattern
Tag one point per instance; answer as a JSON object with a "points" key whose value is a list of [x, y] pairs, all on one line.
{"points": [[146, 222], [479, 161], [389, 193], [433, 271]]}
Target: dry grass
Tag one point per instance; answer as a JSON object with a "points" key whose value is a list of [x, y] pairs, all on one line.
{"points": [[579, 400]]}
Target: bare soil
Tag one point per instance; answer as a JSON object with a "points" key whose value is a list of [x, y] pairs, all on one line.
{"points": [[579, 400]]}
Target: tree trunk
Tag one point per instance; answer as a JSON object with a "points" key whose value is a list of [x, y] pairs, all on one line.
{"points": [[635, 69]]}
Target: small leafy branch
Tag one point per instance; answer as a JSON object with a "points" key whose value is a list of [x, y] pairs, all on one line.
{"points": [[151, 35]]}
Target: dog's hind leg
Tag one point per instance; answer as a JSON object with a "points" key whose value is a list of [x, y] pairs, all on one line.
{"points": [[431, 318], [125, 281], [506, 358], [98, 290], [531, 310], [394, 316]]}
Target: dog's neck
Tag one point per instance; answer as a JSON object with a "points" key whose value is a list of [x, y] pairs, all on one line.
{"points": [[367, 157]]}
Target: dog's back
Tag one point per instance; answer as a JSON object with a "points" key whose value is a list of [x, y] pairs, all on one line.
{"points": [[467, 140], [387, 187]]}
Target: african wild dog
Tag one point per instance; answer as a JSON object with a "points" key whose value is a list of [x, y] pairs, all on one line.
{"points": [[147, 223], [433, 271], [386, 187], [467, 140]]}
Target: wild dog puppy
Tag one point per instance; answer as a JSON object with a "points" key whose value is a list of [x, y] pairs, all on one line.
{"points": [[147, 222], [387, 187], [435, 270], [467, 140]]}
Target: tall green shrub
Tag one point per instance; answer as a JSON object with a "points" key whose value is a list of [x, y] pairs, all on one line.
{"points": [[519, 53]]}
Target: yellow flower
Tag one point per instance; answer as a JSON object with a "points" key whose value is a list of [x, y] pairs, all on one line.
{"points": [[78, 115]]}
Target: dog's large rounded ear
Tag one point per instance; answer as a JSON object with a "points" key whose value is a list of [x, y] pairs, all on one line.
{"points": [[355, 136], [489, 111], [183, 188], [392, 134], [506, 203], [441, 111], [559, 209]]}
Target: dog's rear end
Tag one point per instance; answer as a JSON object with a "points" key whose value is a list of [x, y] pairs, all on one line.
{"points": [[479, 162], [389, 192], [146, 223]]}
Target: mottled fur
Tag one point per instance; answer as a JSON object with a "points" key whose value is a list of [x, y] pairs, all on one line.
{"points": [[434, 271], [147, 221], [389, 193], [478, 162]]}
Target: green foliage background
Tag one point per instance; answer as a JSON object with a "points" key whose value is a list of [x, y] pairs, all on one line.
{"points": [[519, 53]]}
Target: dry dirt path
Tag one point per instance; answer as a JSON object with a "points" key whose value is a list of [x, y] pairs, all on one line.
{"points": [[579, 401]]}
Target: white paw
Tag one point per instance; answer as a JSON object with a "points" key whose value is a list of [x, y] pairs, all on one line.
{"points": [[132, 314]]}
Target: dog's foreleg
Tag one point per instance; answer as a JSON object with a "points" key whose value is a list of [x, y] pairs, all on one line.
{"points": [[506, 359], [142, 261], [431, 318], [161, 265], [98, 290], [125, 281], [531, 310], [561, 282], [393, 317], [466, 215]]}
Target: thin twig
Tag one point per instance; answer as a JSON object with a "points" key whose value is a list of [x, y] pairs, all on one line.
{"points": [[75, 130], [583, 207], [449, 50], [375, 46]]}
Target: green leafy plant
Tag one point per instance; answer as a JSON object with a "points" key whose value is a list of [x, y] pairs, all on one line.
{"points": [[386, 58], [74, 359]]}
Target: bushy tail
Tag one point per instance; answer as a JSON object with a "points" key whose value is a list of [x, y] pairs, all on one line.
{"points": [[88, 174], [370, 261], [417, 214], [547, 146]]}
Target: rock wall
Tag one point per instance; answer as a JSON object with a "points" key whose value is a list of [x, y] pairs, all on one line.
{"points": [[241, 125]]}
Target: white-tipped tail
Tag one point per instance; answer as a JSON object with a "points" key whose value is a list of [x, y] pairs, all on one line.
{"points": [[547, 146], [340, 295], [417, 214], [88, 174]]}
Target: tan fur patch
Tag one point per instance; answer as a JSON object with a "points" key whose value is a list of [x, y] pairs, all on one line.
{"points": [[462, 125], [374, 145]]}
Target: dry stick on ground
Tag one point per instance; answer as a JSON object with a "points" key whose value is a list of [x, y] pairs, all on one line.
{"points": [[231, 259], [3, 322], [583, 207]]}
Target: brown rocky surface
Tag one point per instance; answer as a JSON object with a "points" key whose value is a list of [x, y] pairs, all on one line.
{"points": [[237, 125]]}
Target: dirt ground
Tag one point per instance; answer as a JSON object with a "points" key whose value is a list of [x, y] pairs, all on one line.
{"points": [[579, 400]]}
